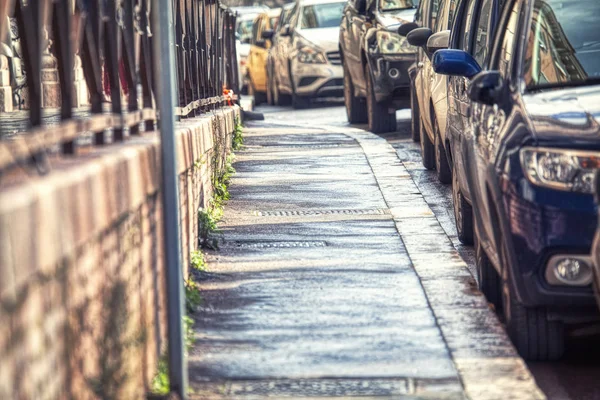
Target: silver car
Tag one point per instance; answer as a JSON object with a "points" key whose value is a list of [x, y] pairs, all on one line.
{"points": [[306, 61]]}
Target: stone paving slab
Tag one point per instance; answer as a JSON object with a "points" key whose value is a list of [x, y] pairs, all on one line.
{"points": [[304, 301]]}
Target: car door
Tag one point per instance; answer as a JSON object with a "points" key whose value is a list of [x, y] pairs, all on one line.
{"points": [[489, 122], [259, 70], [285, 83], [458, 100], [432, 11], [356, 34]]}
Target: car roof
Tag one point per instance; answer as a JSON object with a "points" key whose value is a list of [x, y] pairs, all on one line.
{"points": [[274, 12], [312, 2]]}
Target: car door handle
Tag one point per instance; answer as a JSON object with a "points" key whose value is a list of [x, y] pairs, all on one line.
{"points": [[420, 65]]}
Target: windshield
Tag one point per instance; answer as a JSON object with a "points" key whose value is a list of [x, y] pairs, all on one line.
{"points": [[326, 15], [388, 5], [563, 48]]}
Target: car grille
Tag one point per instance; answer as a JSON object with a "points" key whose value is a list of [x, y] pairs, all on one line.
{"points": [[334, 57]]}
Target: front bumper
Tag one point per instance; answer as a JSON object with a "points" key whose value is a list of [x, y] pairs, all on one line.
{"points": [[543, 223], [318, 80], [391, 78]]}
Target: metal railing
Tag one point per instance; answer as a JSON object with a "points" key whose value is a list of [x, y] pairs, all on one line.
{"points": [[113, 39]]}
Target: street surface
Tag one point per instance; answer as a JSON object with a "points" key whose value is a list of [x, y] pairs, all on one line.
{"points": [[340, 274]]}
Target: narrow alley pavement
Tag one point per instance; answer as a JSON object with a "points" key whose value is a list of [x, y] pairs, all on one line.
{"points": [[336, 277]]}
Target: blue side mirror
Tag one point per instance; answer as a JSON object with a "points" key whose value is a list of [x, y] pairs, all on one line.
{"points": [[456, 63]]}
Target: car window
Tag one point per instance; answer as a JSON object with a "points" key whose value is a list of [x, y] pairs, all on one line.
{"points": [[434, 13], [482, 32], [508, 40], [464, 42], [564, 43], [326, 15], [273, 22], [259, 27], [446, 15]]}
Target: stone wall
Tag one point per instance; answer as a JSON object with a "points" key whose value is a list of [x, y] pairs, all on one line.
{"points": [[82, 276]]}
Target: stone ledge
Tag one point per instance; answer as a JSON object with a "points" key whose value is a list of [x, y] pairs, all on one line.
{"points": [[44, 220]]}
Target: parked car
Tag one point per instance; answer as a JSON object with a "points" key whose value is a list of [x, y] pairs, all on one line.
{"points": [[244, 23], [531, 147], [472, 31], [307, 64], [376, 60], [256, 64], [596, 245], [278, 57], [430, 90]]}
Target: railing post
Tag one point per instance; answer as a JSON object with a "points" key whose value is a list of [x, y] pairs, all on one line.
{"points": [[164, 46]]}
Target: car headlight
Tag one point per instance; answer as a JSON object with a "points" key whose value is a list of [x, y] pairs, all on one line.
{"points": [[568, 170], [392, 43], [310, 55]]}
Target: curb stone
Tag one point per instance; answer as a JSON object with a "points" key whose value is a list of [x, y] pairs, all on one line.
{"points": [[487, 362]]}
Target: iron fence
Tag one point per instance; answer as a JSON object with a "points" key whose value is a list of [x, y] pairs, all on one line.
{"points": [[113, 41]]}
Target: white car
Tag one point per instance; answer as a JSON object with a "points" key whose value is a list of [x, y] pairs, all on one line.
{"points": [[307, 62]]}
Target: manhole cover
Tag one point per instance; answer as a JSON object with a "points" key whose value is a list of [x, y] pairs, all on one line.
{"points": [[298, 213], [275, 245]]}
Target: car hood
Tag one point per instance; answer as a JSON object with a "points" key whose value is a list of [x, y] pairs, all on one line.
{"points": [[393, 19], [570, 116], [324, 38]]}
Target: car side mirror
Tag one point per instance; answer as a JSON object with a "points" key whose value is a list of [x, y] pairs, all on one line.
{"points": [[418, 37], [261, 43], [486, 88], [285, 31], [438, 41], [361, 6], [407, 28], [455, 63], [267, 34]]}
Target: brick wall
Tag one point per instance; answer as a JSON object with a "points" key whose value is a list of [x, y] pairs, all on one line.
{"points": [[82, 277]]}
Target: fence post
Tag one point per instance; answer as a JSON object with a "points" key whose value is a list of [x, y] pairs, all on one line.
{"points": [[164, 47]]}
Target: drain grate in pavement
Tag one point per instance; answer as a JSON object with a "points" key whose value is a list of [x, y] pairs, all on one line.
{"points": [[300, 213], [242, 244], [311, 146], [439, 389]]}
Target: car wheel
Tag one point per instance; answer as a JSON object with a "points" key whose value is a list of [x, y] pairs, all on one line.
{"points": [[441, 159], [356, 109], [415, 115], [463, 212], [488, 279], [259, 97], [535, 337], [299, 102], [380, 119], [427, 149]]}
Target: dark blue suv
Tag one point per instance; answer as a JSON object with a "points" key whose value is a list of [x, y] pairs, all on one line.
{"points": [[530, 148]]}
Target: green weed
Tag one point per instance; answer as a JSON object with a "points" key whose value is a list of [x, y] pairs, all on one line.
{"points": [[197, 261], [238, 138]]}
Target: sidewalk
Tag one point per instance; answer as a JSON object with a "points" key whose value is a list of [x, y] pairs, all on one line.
{"points": [[336, 280]]}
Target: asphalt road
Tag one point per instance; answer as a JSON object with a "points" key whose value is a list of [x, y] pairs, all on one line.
{"points": [[577, 376]]}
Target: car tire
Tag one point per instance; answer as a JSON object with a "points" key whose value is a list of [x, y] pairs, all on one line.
{"points": [[427, 149], [488, 279], [380, 119], [356, 109], [534, 336], [415, 115], [463, 212], [259, 97], [441, 158]]}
